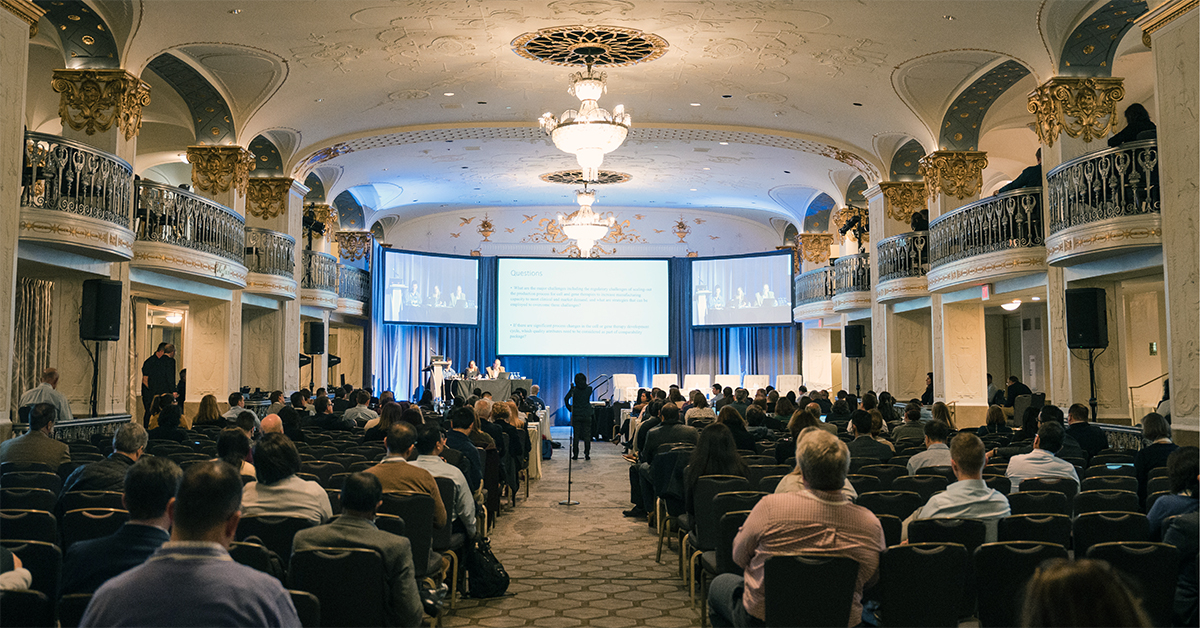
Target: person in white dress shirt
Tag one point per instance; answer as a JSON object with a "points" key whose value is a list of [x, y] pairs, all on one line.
{"points": [[1041, 462], [47, 392], [969, 497]]}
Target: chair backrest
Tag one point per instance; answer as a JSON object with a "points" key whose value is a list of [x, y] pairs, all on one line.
{"points": [[1110, 482], [1103, 527], [769, 483], [923, 485], [390, 523], [1153, 497], [15, 467], [346, 459], [26, 608], [664, 380], [276, 533], [1066, 486], [707, 523], [90, 523], [857, 463], [308, 608], [323, 469], [335, 499], [74, 500], [491, 478], [320, 451], [864, 483], [754, 382], [1154, 567], [787, 383], [621, 383], [731, 522], [970, 533], [1112, 468], [32, 479], [71, 607], [903, 566], [759, 459], [999, 483], [1111, 458], [44, 562], [1098, 500], [349, 582], [1039, 502], [1159, 472], [697, 381], [1001, 571], [892, 529], [730, 380], [1041, 528], [896, 503], [416, 509], [1153, 485], [28, 525], [255, 556], [28, 499], [441, 538], [887, 473], [732, 501], [824, 600], [943, 471], [1019, 405]]}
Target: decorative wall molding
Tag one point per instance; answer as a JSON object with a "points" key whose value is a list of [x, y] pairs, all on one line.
{"points": [[93, 100], [271, 285], [953, 173], [812, 311], [986, 268], [98, 238], [903, 199], [267, 197], [27, 11], [814, 247], [851, 301], [1078, 243], [1078, 106], [1162, 15], [903, 288], [351, 307], [319, 298], [192, 264], [323, 212], [217, 168], [353, 245]]}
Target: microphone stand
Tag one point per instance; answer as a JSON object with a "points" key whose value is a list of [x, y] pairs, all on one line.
{"points": [[570, 460]]}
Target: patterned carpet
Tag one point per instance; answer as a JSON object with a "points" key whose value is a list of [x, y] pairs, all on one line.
{"points": [[582, 565]]}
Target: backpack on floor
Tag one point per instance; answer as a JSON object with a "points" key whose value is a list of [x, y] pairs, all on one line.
{"points": [[547, 449], [486, 577]]}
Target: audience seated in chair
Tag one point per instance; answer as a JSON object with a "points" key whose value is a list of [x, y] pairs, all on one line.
{"points": [[169, 425], [794, 481], [396, 474], [129, 444], [325, 419], [1052, 596], [1041, 462], [149, 487], [864, 445], [937, 453], [671, 430], [430, 445], [233, 447], [191, 578], [360, 413], [969, 497], [38, 444], [277, 491], [458, 439], [1183, 470]]}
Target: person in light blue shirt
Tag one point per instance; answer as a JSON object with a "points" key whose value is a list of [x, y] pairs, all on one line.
{"points": [[937, 453], [47, 392], [969, 497]]}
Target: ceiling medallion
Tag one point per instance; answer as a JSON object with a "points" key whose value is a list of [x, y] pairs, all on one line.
{"points": [[575, 177], [610, 46]]}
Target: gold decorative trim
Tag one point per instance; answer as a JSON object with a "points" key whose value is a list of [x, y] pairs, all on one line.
{"points": [[887, 291], [92, 100], [267, 197], [307, 296], [939, 279], [841, 215], [1079, 106], [216, 168], [486, 228], [289, 288], [814, 247], [1164, 14], [903, 198], [814, 310], [612, 46], [79, 233], [353, 245], [953, 173], [853, 300], [29, 12], [1070, 244], [323, 212], [219, 270]]}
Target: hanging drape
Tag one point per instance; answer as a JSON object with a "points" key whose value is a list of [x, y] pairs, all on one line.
{"points": [[31, 335]]}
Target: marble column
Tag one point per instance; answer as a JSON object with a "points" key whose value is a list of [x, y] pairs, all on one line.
{"points": [[17, 19], [1173, 31], [817, 358]]}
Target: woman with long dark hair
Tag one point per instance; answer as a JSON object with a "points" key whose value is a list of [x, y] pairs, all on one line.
{"points": [[715, 454], [737, 426], [579, 399]]}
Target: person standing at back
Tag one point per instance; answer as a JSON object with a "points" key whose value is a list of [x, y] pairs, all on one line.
{"points": [[579, 399], [158, 376]]}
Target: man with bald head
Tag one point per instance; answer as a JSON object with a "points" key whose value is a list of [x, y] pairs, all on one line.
{"points": [[47, 392], [271, 424]]}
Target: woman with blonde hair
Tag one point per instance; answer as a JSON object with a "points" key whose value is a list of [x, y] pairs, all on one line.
{"points": [[156, 407], [941, 412], [208, 413]]}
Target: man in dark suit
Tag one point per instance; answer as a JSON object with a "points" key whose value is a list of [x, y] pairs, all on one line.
{"points": [[327, 420], [1091, 438], [129, 443], [149, 486], [158, 375], [361, 495], [863, 445], [38, 444], [1015, 389]]}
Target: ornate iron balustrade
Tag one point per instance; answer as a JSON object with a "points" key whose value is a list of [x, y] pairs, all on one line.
{"points": [[1111, 183], [999, 223], [902, 256], [320, 272], [852, 273], [354, 283], [68, 176], [270, 252], [175, 216], [813, 286]]}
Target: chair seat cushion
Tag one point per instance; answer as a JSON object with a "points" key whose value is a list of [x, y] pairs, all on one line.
{"points": [[684, 522], [708, 561]]}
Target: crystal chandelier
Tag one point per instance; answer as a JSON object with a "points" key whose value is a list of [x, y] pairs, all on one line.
{"points": [[583, 225], [591, 132]]}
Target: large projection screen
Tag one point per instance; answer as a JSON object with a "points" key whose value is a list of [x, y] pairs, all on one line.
{"points": [[747, 290], [562, 307], [421, 289]]}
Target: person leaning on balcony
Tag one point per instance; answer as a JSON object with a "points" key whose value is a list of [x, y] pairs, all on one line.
{"points": [[1030, 177], [1137, 122]]}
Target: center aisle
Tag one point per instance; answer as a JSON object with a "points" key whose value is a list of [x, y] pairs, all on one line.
{"points": [[584, 565]]}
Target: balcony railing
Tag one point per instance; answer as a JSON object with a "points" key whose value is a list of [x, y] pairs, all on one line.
{"points": [[353, 283], [903, 256], [320, 272], [852, 273], [68, 176], [175, 216], [999, 223], [813, 286], [1108, 184], [270, 252]]}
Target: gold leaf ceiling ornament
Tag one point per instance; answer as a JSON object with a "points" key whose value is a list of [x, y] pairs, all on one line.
{"points": [[903, 198], [953, 173], [323, 212], [814, 247], [353, 245], [267, 197], [841, 215], [217, 168], [93, 100], [1078, 106]]}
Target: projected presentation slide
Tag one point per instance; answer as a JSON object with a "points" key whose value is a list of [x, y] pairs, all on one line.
{"points": [[430, 289], [582, 307], [752, 290]]}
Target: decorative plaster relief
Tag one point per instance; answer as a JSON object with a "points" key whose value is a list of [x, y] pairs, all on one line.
{"points": [[320, 52], [851, 57]]}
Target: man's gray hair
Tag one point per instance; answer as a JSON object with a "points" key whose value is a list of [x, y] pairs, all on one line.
{"points": [[824, 460], [535, 389], [130, 437], [483, 409]]}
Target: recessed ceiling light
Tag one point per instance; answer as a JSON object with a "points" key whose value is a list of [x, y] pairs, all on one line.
{"points": [[706, 168], [948, 17], [695, 104], [693, 189], [234, 11], [448, 93], [1037, 298], [724, 143], [319, 100]]}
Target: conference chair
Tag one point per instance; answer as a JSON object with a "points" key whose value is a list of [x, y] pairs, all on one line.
{"points": [[416, 509], [16, 467], [825, 598], [71, 607], [923, 485], [730, 380], [256, 556], [28, 525], [944, 471], [323, 469], [276, 533], [787, 383], [1153, 485], [664, 380], [26, 608], [1154, 567], [755, 382], [1153, 497], [887, 473], [1039, 502], [969, 533], [308, 608], [864, 483], [346, 459], [1113, 468], [625, 387], [1112, 457], [720, 559], [899, 504], [1001, 571], [1110, 482], [1103, 527], [445, 540], [769, 483], [1040, 528], [1100, 500], [335, 497], [44, 562], [905, 602], [706, 525], [701, 382], [90, 523], [1066, 486], [349, 582], [760, 471], [665, 471], [892, 529], [856, 464], [74, 500], [28, 499], [998, 483], [32, 479]]}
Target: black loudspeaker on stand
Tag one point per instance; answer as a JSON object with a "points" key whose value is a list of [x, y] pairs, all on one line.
{"points": [[1087, 328], [856, 347], [100, 320]]}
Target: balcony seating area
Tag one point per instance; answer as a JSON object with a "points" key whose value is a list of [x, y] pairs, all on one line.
{"points": [[994, 238], [813, 294]]}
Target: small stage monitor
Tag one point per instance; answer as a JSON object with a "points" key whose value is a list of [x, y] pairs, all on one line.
{"points": [[742, 291], [424, 289]]}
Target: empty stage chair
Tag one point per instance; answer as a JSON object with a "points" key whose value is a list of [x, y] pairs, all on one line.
{"points": [[276, 533], [1105, 527], [755, 382], [1001, 571], [786, 383], [729, 380], [625, 387], [1153, 566], [28, 499], [349, 582], [899, 504], [90, 523], [824, 600], [1041, 528], [906, 602], [697, 382], [664, 380], [1096, 501]]}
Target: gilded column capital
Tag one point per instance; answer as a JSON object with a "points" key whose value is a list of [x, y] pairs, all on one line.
{"points": [[324, 213], [841, 215], [267, 197], [953, 172], [814, 247], [903, 199], [92, 100], [29, 12], [216, 168], [353, 245], [1076, 105]]}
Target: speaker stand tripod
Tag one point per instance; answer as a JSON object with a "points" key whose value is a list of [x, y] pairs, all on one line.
{"points": [[570, 459]]}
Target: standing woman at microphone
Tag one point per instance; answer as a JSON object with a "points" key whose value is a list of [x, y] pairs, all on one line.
{"points": [[579, 399]]}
